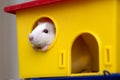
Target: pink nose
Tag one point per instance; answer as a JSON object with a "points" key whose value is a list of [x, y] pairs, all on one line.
{"points": [[30, 38]]}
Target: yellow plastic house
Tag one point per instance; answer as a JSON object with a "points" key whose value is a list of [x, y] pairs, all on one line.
{"points": [[93, 22]]}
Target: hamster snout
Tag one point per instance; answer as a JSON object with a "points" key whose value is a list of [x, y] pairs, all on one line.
{"points": [[30, 38]]}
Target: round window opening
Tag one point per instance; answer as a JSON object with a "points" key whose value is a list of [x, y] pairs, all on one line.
{"points": [[43, 34]]}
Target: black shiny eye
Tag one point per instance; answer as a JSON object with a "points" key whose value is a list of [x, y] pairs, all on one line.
{"points": [[45, 31]]}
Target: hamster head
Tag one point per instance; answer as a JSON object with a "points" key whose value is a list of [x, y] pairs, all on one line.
{"points": [[42, 35]]}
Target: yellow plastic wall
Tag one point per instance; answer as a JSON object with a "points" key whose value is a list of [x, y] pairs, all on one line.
{"points": [[71, 19], [118, 37]]}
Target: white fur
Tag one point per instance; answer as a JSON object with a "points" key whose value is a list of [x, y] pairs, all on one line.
{"points": [[41, 39]]}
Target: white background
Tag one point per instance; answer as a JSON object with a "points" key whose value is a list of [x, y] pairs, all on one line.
{"points": [[8, 43]]}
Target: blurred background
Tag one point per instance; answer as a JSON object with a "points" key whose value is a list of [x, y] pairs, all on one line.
{"points": [[8, 43]]}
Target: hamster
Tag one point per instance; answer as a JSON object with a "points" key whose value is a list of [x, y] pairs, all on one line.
{"points": [[81, 57], [42, 35]]}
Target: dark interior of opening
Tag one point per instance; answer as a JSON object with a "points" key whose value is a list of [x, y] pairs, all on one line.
{"points": [[85, 54]]}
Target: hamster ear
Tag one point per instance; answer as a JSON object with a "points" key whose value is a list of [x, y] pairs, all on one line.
{"points": [[38, 22]]}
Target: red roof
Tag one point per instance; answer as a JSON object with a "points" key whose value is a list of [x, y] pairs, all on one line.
{"points": [[13, 8]]}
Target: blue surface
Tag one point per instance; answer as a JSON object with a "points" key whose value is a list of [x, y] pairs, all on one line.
{"points": [[104, 77]]}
